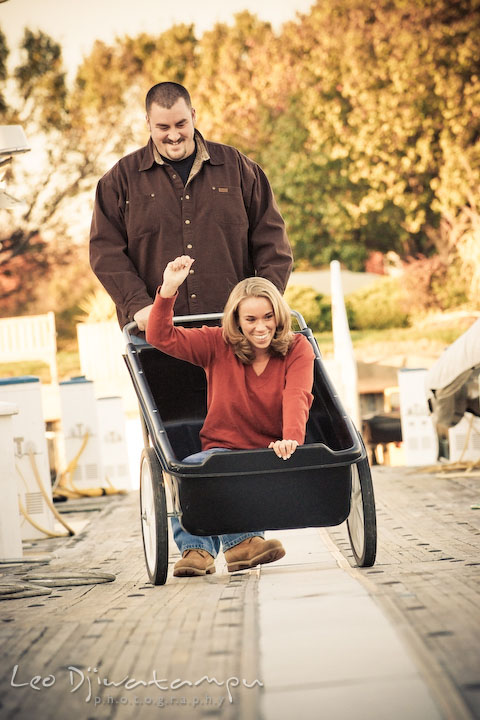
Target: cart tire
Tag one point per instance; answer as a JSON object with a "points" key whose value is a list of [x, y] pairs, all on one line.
{"points": [[153, 513], [362, 521]]}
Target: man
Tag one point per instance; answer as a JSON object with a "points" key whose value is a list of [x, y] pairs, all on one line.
{"points": [[183, 195]]}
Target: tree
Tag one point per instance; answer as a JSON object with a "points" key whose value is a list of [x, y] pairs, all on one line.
{"points": [[23, 257], [230, 82], [4, 52], [41, 81], [457, 185], [373, 115], [25, 254]]}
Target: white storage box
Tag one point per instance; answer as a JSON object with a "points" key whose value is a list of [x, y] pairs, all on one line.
{"points": [[113, 442], [10, 538], [31, 453], [419, 437], [80, 432], [464, 439]]}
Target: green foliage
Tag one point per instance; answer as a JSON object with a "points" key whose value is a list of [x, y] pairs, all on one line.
{"points": [[314, 307], [231, 82], [379, 306], [41, 79], [170, 56], [381, 103], [109, 76], [433, 284], [451, 290]]}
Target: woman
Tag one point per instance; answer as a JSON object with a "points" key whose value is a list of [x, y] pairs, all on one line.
{"points": [[259, 379]]}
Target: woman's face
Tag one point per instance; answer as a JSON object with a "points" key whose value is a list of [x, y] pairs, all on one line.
{"points": [[257, 322]]}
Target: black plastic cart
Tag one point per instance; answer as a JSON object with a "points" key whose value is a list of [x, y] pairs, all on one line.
{"points": [[325, 482]]}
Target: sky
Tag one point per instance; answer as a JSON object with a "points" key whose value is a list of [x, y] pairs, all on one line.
{"points": [[75, 25]]}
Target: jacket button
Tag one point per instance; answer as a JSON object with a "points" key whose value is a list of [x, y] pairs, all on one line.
{"points": [[193, 296], [187, 222], [189, 246], [187, 197], [192, 272]]}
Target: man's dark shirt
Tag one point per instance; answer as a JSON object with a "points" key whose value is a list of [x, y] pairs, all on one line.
{"points": [[184, 166], [225, 217]]}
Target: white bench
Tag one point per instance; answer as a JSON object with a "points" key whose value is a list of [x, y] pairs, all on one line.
{"points": [[31, 337]]}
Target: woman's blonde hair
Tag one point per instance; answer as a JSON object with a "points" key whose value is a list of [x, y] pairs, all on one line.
{"points": [[260, 288]]}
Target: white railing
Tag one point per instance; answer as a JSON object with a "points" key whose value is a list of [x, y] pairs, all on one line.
{"points": [[31, 337]]}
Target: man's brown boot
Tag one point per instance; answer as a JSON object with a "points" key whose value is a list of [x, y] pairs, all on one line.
{"points": [[194, 562], [253, 551]]}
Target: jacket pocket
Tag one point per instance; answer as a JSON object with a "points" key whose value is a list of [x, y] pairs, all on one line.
{"points": [[141, 215], [228, 207]]}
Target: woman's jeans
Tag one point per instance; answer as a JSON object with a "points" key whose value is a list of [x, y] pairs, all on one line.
{"points": [[211, 543]]}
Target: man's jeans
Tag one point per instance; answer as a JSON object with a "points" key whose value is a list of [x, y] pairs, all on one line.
{"points": [[211, 543]]}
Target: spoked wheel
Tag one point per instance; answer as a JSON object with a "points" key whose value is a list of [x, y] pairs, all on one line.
{"points": [[153, 512], [362, 521]]}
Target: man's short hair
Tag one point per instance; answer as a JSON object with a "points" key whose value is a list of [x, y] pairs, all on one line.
{"points": [[166, 95]]}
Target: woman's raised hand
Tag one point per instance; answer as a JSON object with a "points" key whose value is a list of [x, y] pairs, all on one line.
{"points": [[174, 275], [284, 448]]}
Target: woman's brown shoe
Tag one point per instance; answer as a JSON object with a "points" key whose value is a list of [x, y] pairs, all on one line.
{"points": [[194, 562], [253, 551]]}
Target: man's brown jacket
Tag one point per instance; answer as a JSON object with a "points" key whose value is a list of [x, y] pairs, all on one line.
{"points": [[225, 217]]}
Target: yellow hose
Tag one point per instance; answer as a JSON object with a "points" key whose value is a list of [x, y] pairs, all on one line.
{"points": [[65, 485], [60, 487], [70, 469], [45, 494]]}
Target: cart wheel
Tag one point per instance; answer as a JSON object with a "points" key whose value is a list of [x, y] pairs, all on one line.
{"points": [[153, 512], [362, 521]]}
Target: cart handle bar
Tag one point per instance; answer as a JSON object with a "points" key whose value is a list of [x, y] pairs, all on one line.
{"points": [[203, 318]]}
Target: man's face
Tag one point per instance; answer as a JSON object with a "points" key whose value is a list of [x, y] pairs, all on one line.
{"points": [[172, 129]]}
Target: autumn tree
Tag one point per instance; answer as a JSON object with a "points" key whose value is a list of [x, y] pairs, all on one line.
{"points": [[457, 185], [25, 254], [373, 116], [230, 82], [3, 69]]}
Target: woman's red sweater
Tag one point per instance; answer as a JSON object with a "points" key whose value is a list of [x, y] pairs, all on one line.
{"points": [[244, 410]]}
